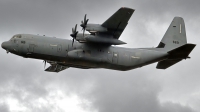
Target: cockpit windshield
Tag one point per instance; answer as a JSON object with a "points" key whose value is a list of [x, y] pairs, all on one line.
{"points": [[16, 36]]}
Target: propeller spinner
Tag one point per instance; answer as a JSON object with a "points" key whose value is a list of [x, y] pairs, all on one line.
{"points": [[74, 34], [84, 24]]}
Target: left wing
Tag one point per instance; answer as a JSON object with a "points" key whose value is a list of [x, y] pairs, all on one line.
{"points": [[106, 33], [56, 68], [118, 21]]}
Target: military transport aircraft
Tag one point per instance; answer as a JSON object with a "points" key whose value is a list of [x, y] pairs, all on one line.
{"points": [[95, 50]]}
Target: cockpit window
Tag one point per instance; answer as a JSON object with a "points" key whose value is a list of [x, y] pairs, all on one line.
{"points": [[16, 36]]}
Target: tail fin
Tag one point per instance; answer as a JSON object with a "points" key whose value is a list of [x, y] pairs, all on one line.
{"points": [[175, 35], [175, 44]]}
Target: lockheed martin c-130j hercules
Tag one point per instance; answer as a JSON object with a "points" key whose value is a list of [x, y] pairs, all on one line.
{"points": [[95, 50]]}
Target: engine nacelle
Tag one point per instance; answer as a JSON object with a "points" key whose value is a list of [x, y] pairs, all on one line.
{"points": [[93, 28]]}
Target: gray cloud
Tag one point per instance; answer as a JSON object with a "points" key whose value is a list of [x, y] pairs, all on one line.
{"points": [[140, 90], [4, 108]]}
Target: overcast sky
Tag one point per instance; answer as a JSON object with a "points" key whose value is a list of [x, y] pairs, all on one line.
{"points": [[26, 87]]}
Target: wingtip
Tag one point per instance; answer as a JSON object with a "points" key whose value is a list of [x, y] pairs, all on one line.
{"points": [[127, 8], [178, 17]]}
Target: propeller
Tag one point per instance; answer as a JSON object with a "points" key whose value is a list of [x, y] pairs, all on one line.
{"points": [[74, 34], [45, 62], [7, 51], [84, 24]]}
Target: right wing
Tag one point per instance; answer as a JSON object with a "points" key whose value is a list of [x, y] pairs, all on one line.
{"points": [[56, 68]]}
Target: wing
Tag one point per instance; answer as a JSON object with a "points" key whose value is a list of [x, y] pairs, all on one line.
{"points": [[56, 68], [106, 33], [118, 21]]}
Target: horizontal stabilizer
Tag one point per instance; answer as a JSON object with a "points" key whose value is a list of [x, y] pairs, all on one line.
{"points": [[176, 56], [167, 63], [181, 52]]}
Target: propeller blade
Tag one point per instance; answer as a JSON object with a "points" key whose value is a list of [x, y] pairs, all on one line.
{"points": [[75, 27], [85, 17], [72, 42], [87, 21], [44, 63], [83, 32]]}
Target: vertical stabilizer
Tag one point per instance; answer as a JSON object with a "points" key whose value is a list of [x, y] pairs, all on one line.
{"points": [[175, 35]]}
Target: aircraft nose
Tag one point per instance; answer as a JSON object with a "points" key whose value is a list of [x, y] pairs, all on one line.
{"points": [[4, 45]]}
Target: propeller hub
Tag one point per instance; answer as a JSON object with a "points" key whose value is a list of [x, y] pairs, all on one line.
{"points": [[82, 25], [72, 35]]}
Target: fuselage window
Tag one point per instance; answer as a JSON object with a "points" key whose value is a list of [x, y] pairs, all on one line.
{"points": [[23, 42], [87, 52], [99, 50]]}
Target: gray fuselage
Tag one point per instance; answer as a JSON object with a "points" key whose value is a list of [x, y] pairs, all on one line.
{"points": [[82, 55]]}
